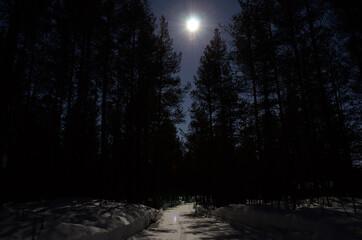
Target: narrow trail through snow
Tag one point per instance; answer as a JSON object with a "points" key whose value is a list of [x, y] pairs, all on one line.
{"points": [[179, 223]]}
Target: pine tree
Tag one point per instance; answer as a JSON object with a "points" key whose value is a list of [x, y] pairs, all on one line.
{"points": [[213, 114], [288, 57], [168, 99]]}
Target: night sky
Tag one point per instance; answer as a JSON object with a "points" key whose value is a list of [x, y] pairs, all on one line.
{"points": [[211, 14]]}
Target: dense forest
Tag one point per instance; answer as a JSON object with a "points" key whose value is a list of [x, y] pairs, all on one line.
{"points": [[91, 99], [287, 121]]}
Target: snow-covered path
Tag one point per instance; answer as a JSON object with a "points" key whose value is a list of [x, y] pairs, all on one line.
{"points": [[179, 223]]}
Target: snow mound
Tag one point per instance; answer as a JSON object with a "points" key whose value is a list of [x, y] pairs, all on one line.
{"points": [[303, 223], [74, 219]]}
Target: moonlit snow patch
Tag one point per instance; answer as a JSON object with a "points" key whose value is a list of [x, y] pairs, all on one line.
{"points": [[74, 219]]}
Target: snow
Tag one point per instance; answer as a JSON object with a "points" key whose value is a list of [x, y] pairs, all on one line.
{"points": [[80, 219], [312, 222], [74, 219], [181, 223]]}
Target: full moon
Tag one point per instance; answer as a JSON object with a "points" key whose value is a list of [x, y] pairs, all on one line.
{"points": [[193, 24]]}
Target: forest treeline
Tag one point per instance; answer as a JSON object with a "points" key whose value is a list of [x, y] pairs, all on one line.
{"points": [[278, 115], [91, 97]]}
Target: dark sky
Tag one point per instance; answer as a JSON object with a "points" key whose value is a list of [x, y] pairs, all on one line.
{"points": [[211, 13]]}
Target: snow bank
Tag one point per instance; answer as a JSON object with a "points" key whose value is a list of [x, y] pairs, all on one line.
{"points": [[304, 223], [74, 219]]}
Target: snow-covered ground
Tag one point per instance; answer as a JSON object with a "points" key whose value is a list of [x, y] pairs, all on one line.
{"points": [[311, 221], [181, 223], [79, 219], [75, 219], [256, 222]]}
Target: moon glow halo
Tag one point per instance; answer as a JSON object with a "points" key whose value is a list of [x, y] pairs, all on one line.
{"points": [[193, 24]]}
